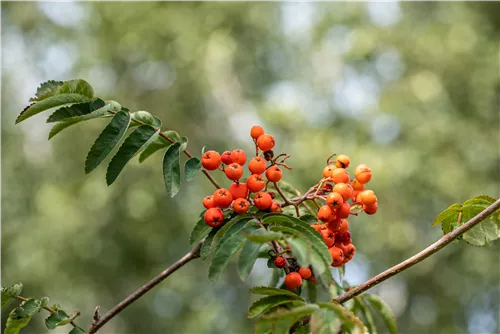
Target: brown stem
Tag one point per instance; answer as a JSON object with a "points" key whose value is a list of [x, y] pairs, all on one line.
{"points": [[445, 240], [50, 309], [193, 254]]}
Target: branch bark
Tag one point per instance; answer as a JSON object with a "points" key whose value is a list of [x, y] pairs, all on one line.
{"points": [[193, 254]]}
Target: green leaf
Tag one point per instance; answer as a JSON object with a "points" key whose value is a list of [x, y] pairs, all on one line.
{"points": [[341, 272], [55, 319], [191, 168], [283, 320], [226, 249], [232, 226], [483, 200], [266, 303], [77, 330], [172, 135], [367, 314], [384, 311], [308, 218], [47, 89], [133, 145], [207, 245], [301, 250], [156, 145], [270, 291], [345, 314], [107, 140], [262, 236], [248, 256], [21, 315], [10, 293], [198, 231], [172, 169], [312, 291], [184, 143], [71, 92], [447, 215], [44, 302], [143, 117], [77, 110], [484, 232], [323, 321]]}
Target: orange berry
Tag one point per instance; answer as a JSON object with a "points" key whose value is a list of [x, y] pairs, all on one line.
{"points": [[325, 213], [257, 165], [344, 211], [223, 198], [370, 209], [340, 175], [276, 207], [208, 202], [312, 279], [210, 160], [238, 190], [349, 251], [214, 217], [363, 173], [335, 200], [234, 171], [239, 156], [328, 237], [357, 186], [344, 226], [305, 273], [327, 171], [343, 161], [343, 189], [262, 200], [337, 256], [279, 261], [256, 131], [226, 158], [241, 205], [335, 225], [274, 173], [255, 183], [355, 196], [266, 142], [367, 197], [293, 280], [318, 227]]}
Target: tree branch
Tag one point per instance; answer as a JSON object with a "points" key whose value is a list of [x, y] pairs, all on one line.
{"points": [[193, 254], [445, 240]]}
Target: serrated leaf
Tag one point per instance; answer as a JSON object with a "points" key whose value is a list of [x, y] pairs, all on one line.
{"points": [[21, 316], [10, 293], [264, 304], [77, 330], [283, 320], [107, 140], [322, 322], [345, 314], [232, 226], [158, 144], [383, 310], [172, 169], [226, 249], [198, 231], [308, 218], [143, 117], [367, 314], [76, 110], [270, 291], [246, 260], [207, 245], [262, 236], [71, 92], [55, 319], [312, 291], [47, 89], [301, 250], [139, 139], [484, 232], [446, 215], [191, 168], [483, 200]]}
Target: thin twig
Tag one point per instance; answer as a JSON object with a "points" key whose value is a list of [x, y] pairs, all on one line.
{"points": [[445, 240], [193, 254]]}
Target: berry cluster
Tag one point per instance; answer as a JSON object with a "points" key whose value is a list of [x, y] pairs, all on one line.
{"points": [[237, 198], [343, 196]]}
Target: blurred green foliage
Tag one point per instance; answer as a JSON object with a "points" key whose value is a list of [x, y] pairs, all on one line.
{"points": [[410, 88]]}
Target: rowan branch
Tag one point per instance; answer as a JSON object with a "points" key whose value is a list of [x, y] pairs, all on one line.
{"points": [[193, 254]]}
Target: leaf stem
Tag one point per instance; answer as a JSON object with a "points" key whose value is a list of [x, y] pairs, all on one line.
{"points": [[51, 310]]}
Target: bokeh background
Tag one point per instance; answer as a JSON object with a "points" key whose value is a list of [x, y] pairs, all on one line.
{"points": [[409, 88]]}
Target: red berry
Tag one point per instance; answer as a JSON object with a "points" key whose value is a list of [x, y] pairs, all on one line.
{"points": [[279, 261], [223, 198], [334, 200], [255, 183], [305, 273], [208, 202], [214, 217], [344, 210], [241, 205], [257, 165], [226, 158], [328, 237], [238, 190], [293, 280], [266, 142], [370, 209], [275, 207], [274, 173], [325, 213], [340, 175], [211, 160], [239, 156], [344, 189], [263, 200], [337, 256], [234, 171], [256, 131]]}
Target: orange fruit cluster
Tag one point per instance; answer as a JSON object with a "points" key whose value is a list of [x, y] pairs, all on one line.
{"points": [[238, 197]]}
